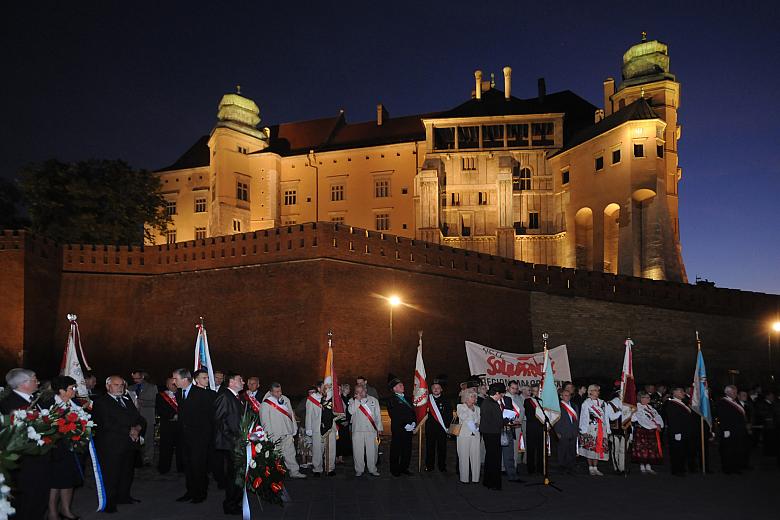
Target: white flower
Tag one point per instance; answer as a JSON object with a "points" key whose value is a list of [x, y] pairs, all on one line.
{"points": [[252, 464], [44, 413], [267, 454], [40, 443], [32, 434], [5, 490], [20, 415]]}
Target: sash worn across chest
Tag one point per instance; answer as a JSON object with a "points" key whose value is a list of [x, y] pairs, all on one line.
{"points": [[170, 400], [570, 410], [735, 405], [313, 400], [253, 402], [279, 408], [368, 415]]}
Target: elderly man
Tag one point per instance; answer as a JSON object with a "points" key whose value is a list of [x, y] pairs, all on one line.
{"points": [[117, 437], [402, 424], [278, 420], [145, 394], [323, 443], [733, 434], [567, 428], [366, 427], [250, 394], [31, 490], [491, 424], [167, 409], [436, 432], [196, 419]]}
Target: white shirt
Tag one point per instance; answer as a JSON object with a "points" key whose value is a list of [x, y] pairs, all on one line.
{"points": [[26, 397]]}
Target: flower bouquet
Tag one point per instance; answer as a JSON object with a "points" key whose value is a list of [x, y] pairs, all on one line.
{"points": [[259, 462]]}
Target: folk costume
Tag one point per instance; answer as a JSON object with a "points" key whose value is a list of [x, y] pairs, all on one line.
{"points": [[366, 427], [594, 430], [647, 437], [402, 424], [618, 438], [278, 420], [468, 443]]}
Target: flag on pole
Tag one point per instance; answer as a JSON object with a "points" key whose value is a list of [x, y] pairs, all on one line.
{"points": [[627, 384], [330, 381], [420, 396], [202, 354], [548, 394], [700, 400], [73, 360]]}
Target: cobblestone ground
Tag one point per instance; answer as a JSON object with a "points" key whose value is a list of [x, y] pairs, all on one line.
{"points": [[440, 496]]}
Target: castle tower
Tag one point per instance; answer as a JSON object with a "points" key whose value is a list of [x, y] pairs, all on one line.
{"points": [[655, 232], [233, 140]]}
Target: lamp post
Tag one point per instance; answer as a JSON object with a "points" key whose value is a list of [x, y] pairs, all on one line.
{"points": [[776, 329], [394, 302]]}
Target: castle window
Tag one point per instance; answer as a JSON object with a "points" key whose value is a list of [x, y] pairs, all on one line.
{"points": [[659, 151], [444, 138], [533, 220], [482, 198], [200, 205], [599, 163], [468, 163], [289, 222], [542, 134], [170, 207], [468, 137], [382, 221], [236, 225], [200, 233], [381, 188], [337, 219], [616, 156], [493, 136], [170, 236], [465, 226], [242, 150], [517, 135], [242, 191], [519, 229], [290, 197], [565, 177], [639, 150], [455, 199], [337, 192], [521, 179]]}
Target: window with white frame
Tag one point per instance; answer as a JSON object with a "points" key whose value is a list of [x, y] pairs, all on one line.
{"points": [[170, 236], [200, 233], [242, 191], [200, 204], [533, 220], [170, 207], [382, 221], [336, 192], [521, 179], [468, 163], [338, 219], [381, 188], [236, 225], [290, 197]]}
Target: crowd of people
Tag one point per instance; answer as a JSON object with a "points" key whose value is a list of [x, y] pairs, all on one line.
{"points": [[187, 427]]}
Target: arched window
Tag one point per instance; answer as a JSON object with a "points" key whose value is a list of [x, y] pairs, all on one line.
{"points": [[521, 179]]}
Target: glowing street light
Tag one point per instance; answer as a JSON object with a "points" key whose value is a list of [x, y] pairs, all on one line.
{"points": [[394, 301], [776, 328]]}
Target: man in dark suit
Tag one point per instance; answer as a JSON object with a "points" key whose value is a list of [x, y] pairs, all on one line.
{"points": [[196, 419], [402, 424], [732, 434], [491, 424], [566, 429], [167, 409], [679, 428], [228, 411], [435, 432], [31, 483], [118, 427], [534, 433]]}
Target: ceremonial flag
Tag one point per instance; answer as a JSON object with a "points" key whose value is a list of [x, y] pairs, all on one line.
{"points": [[330, 381], [548, 395], [420, 396], [202, 354], [73, 360], [627, 384], [700, 400]]}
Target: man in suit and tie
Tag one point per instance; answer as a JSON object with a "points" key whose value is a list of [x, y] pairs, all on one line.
{"points": [[491, 424], [167, 408], [118, 427], [567, 429], [402, 424], [145, 397], [228, 411], [196, 420], [31, 489]]}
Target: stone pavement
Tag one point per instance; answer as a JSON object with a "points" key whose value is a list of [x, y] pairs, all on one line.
{"points": [[441, 496]]}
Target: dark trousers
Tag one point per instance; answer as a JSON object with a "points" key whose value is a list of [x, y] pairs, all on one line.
{"points": [[679, 454], [732, 453], [533, 450], [435, 446], [567, 452], [196, 463], [492, 476], [400, 452], [694, 453], [170, 445], [31, 488], [233, 494], [118, 469]]}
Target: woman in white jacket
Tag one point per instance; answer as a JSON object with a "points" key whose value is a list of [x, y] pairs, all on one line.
{"points": [[469, 439], [594, 430]]}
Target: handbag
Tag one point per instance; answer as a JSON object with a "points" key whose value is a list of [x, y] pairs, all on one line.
{"points": [[455, 426]]}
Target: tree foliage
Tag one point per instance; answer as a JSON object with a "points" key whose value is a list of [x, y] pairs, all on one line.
{"points": [[94, 201], [10, 206]]}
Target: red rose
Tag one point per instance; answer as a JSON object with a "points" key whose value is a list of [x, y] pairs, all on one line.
{"points": [[276, 487], [76, 438], [256, 484], [47, 440], [72, 417], [267, 471], [46, 419]]}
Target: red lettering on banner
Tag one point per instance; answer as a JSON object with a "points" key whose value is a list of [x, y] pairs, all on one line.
{"points": [[525, 367]]}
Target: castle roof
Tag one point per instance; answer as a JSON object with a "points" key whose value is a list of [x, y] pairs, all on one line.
{"points": [[636, 111]]}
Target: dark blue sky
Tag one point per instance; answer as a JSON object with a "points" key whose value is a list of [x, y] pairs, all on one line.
{"points": [[140, 81]]}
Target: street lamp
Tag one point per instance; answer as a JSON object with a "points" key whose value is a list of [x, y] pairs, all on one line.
{"points": [[394, 302], [774, 328]]}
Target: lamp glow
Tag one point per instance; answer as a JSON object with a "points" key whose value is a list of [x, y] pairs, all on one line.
{"points": [[396, 301], [776, 326]]}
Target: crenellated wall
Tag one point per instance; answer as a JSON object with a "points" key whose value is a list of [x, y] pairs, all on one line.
{"points": [[269, 298]]}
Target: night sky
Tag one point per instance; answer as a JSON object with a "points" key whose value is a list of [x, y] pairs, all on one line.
{"points": [[141, 81]]}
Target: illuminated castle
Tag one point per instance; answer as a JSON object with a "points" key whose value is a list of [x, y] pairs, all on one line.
{"points": [[550, 180]]}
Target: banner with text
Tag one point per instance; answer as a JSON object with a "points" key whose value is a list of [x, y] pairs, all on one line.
{"points": [[528, 369]]}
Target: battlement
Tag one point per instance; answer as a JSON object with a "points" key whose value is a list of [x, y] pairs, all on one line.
{"points": [[326, 240]]}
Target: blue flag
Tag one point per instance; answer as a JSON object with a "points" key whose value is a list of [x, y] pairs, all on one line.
{"points": [[550, 405], [700, 400]]}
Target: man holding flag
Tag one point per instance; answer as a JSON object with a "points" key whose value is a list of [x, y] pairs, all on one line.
{"points": [[700, 403], [402, 424]]}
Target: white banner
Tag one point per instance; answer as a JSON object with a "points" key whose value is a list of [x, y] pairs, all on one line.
{"points": [[528, 369]]}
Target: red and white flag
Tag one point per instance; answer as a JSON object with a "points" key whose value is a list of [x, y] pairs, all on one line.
{"points": [[627, 384], [74, 362], [420, 396], [331, 382]]}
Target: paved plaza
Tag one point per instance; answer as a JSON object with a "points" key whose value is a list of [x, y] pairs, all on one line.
{"points": [[441, 496]]}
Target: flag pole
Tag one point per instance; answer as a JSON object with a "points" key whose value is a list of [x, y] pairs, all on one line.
{"points": [[546, 436], [326, 438], [420, 437], [701, 420]]}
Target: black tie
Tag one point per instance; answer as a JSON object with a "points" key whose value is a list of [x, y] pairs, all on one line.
{"points": [[121, 401]]}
